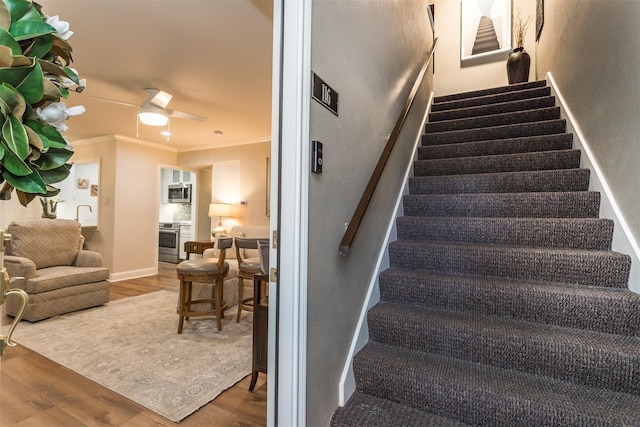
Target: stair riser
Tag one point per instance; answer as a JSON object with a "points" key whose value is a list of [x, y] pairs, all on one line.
{"points": [[491, 99], [568, 159], [499, 132], [514, 182], [553, 233], [500, 146], [483, 396], [506, 107], [574, 204], [559, 353], [604, 310], [578, 267], [491, 91], [551, 113]]}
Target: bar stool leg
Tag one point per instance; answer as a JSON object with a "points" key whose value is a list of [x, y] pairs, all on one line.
{"points": [[218, 300], [181, 305], [240, 297]]}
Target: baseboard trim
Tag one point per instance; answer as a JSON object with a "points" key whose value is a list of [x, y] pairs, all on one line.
{"points": [[132, 274], [347, 385], [623, 239]]}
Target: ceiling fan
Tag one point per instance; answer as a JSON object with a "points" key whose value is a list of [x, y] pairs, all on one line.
{"points": [[154, 111]]}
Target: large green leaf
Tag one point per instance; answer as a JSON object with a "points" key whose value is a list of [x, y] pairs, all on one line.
{"points": [[53, 158], [9, 99], [31, 183], [13, 164], [15, 75], [15, 137], [49, 135], [40, 46], [18, 8], [30, 28], [31, 87], [7, 39], [56, 175]]}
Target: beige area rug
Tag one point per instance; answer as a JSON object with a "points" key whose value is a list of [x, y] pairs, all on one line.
{"points": [[131, 346]]}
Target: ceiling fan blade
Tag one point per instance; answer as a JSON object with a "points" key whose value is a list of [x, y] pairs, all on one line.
{"points": [[113, 101], [158, 97], [183, 115]]}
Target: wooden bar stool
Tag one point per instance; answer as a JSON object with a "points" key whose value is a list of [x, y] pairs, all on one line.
{"points": [[208, 270], [247, 268]]}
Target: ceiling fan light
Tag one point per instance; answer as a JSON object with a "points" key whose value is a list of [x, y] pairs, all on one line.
{"points": [[153, 116]]}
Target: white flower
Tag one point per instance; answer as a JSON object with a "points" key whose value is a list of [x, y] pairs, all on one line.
{"points": [[56, 113], [62, 27]]}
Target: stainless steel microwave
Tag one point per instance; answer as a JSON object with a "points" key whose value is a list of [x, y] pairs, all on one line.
{"points": [[179, 193]]}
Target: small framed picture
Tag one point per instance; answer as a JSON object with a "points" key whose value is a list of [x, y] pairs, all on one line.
{"points": [[94, 189], [83, 183]]}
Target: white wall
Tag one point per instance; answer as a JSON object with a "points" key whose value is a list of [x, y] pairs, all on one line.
{"points": [[367, 51], [450, 74], [251, 161]]}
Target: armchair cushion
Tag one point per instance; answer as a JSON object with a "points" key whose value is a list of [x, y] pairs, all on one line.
{"points": [[63, 237]]}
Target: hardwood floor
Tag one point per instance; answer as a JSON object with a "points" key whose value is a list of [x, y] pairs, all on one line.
{"points": [[34, 391]]}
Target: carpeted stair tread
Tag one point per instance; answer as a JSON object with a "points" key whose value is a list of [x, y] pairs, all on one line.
{"points": [[485, 110], [509, 118], [547, 127], [483, 395], [546, 160], [612, 310], [556, 204], [491, 99], [490, 91], [590, 358], [503, 182], [364, 410], [584, 267], [563, 141], [576, 233]]}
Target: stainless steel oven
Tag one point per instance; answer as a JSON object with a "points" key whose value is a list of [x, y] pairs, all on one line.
{"points": [[168, 241]]}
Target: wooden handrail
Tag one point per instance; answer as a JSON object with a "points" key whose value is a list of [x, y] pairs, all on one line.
{"points": [[361, 209]]}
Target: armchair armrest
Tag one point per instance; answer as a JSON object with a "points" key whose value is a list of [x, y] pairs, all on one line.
{"points": [[18, 266], [209, 253], [87, 258]]}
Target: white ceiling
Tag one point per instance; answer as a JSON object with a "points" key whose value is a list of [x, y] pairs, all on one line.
{"points": [[214, 56]]}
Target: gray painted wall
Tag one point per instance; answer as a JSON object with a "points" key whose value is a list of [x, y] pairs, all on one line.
{"points": [[591, 49], [366, 50]]}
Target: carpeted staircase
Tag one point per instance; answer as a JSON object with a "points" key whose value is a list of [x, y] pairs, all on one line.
{"points": [[504, 304]]}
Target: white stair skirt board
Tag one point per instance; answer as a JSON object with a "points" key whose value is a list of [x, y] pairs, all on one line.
{"points": [[623, 239], [361, 335]]}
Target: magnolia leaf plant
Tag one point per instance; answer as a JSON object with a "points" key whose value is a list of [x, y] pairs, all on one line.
{"points": [[34, 76]]}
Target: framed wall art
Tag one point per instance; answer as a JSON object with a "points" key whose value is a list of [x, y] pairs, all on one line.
{"points": [[485, 30], [539, 18]]}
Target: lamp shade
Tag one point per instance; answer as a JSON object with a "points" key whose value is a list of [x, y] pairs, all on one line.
{"points": [[220, 210]]}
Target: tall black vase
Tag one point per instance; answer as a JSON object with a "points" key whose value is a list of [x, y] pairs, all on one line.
{"points": [[518, 66]]}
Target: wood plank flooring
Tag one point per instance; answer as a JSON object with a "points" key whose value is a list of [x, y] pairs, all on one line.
{"points": [[34, 391]]}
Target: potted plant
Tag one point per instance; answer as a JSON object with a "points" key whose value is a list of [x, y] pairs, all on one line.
{"points": [[35, 74], [519, 61]]}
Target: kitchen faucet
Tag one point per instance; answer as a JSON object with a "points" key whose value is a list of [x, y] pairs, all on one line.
{"points": [[78, 209]]}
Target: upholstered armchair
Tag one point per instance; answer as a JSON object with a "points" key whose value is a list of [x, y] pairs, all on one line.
{"points": [[45, 258]]}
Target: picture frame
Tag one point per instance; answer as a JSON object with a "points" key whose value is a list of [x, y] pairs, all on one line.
{"points": [[83, 183], [539, 18], [485, 30], [94, 190]]}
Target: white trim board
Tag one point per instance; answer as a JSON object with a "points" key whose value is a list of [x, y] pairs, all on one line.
{"points": [[132, 274], [623, 240], [347, 384]]}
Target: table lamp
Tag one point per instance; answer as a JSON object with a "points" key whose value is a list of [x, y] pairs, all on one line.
{"points": [[220, 210]]}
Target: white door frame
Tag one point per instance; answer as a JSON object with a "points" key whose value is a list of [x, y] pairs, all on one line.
{"points": [[289, 211]]}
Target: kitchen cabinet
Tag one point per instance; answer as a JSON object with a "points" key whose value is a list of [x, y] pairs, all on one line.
{"points": [[185, 236]]}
